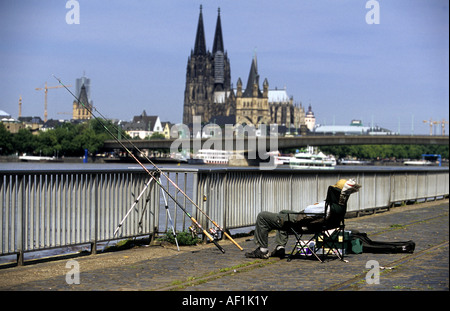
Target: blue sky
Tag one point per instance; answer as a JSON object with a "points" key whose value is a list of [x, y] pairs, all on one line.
{"points": [[394, 74]]}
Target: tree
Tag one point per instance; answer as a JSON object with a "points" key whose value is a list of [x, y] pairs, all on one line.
{"points": [[24, 141], [46, 143], [157, 135], [91, 141], [6, 141], [385, 151]]}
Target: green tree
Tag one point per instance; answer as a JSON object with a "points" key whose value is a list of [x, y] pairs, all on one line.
{"points": [[386, 151], [24, 141], [157, 135], [90, 140], [6, 141], [46, 143]]}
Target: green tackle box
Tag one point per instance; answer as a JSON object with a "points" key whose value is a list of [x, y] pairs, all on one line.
{"points": [[336, 239]]}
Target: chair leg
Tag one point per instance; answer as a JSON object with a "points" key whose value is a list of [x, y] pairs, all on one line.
{"points": [[313, 251], [302, 247], [297, 237], [334, 246]]}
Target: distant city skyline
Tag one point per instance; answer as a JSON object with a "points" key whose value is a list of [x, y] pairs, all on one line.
{"points": [[392, 74]]}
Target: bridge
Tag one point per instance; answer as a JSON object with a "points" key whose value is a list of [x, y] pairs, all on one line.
{"points": [[271, 143]]}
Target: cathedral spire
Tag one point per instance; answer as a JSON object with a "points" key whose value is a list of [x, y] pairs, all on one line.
{"points": [[83, 98], [219, 57], [253, 78], [200, 44], [218, 39]]}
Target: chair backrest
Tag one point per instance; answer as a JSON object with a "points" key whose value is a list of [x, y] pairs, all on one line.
{"points": [[337, 211]]}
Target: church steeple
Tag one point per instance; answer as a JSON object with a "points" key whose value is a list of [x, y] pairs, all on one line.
{"points": [[208, 91], [219, 57], [83, 98], [200, 44], [253, 80], [218, 39], [82, 108]]}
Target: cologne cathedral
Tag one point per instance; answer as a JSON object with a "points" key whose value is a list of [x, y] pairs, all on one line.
{"points": [[209, 93]]}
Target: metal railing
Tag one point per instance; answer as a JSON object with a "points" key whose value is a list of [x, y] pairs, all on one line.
{"points": [[50, 209], [58, 208], [234, 197]]}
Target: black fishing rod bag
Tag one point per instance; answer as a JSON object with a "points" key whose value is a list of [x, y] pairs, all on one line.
{"points": [[361, 243]]}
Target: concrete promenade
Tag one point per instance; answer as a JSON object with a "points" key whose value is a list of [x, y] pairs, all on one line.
{"points": [[205, 268]]}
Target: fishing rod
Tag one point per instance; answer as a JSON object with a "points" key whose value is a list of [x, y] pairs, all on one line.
{"points": [[158, 169], [143, 167], [136, 201], [166, 205]]}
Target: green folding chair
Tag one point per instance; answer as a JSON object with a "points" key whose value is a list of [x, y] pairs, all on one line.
{"points": [[327, 229]]}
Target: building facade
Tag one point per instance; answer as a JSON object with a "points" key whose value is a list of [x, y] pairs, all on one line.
{"points": [[208, 79], [310, 119], [210, 95], [143, 126]]}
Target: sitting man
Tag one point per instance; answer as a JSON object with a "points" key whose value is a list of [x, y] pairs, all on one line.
{"points": [[311, 217]]}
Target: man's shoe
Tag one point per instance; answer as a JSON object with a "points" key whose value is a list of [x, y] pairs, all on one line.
{"points": [[257, 253], [278, 252]]}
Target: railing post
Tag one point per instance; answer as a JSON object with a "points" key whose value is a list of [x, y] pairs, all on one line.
{"points": [[224, 202], [95, 216], [21, 219]]}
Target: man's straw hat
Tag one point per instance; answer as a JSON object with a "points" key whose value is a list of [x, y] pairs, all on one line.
{"points": [[340, 184]]}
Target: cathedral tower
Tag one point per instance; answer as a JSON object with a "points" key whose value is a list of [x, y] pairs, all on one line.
{"points": [[208, 93], [82, 108], [252, 106], [207, 75]]}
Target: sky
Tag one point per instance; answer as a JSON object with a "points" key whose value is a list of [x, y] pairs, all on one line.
{"points": [[326, 53]]}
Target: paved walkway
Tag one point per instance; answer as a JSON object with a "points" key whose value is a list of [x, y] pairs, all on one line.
{"points": [[205, 268]]}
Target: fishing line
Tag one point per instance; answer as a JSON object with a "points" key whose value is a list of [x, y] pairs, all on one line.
{"points": [[143, 167], [163, 174]]}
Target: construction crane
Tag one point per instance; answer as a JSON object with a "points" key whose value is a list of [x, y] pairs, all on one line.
{"points": [[431, 122], [46, 88], [443, 123], [20, 106]]}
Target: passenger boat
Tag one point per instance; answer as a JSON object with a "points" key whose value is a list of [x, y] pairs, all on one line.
{"points": [[27, 158], [309, 159], [211, 156], [422, 162], [280, 159], [354, 162]]}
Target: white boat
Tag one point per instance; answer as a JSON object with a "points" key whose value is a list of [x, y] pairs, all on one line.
{"points": [[418, 162], [282, 159], [26, 158], [310, 159], [211, 156], [279, 159], [353, 162]]}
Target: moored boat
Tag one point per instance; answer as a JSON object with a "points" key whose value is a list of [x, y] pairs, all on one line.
{"points": [[27, 158], [211, 156], [310, 159], [422, 162]]}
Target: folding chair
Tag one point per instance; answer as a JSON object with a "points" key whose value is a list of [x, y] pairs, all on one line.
{"points": [[327, 229]]}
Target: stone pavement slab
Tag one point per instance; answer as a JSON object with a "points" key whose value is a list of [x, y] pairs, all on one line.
{"points": [[205, 268]]}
